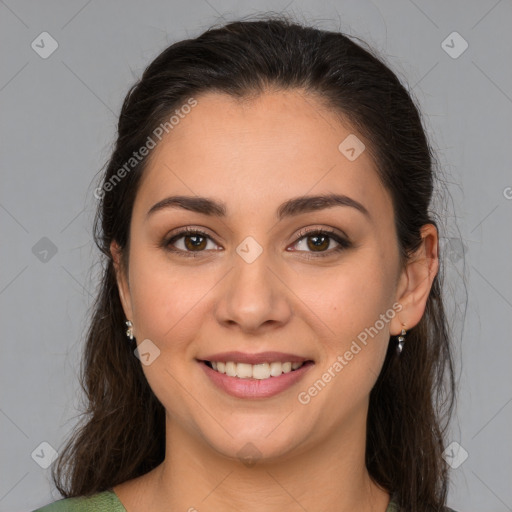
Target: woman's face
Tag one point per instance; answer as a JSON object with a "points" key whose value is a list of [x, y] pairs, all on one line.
{"points": [[262, 279]]}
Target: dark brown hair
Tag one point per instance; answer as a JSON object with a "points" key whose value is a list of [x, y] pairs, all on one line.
{"points": [[122, 435]]}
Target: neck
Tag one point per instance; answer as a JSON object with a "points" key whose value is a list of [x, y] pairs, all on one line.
{"points": [[330, 476]]}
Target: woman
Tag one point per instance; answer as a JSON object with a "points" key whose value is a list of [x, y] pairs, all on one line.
{"points": [[265, 219]]}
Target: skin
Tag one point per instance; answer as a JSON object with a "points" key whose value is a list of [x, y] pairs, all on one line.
{"points": [[253, 155]]}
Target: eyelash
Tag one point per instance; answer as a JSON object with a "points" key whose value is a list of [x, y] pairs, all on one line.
{"points": [[343, 243]]}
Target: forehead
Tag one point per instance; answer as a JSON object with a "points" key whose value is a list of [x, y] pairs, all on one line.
{"points": [[250, 152]]}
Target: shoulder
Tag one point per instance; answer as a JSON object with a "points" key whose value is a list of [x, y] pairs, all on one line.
{"points": [[105, 501]]}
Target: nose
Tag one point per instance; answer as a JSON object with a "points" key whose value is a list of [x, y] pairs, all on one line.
{"points": [[253, 298]]}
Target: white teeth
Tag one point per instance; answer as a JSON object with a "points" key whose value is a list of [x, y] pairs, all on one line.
{"points": [[261, 371], [244, 371], [231, 369], [254, 371], [276, 369]]}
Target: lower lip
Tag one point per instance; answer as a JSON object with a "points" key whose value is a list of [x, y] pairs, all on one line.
{"points": [[255, 388]]}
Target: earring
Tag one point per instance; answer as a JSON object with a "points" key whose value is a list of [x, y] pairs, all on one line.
{"points": [[129, 331], [401, 340]]}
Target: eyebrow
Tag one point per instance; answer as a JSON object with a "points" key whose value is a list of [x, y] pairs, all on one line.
{"points": [[291, 207]]}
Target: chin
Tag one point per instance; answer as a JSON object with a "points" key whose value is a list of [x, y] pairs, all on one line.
{"points": [[258, 443]]}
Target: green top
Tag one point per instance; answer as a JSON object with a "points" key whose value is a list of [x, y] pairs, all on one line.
{"points": [[107, 501]]}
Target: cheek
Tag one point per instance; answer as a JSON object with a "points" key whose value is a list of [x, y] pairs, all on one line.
{"points": [[159, 294], [167, 310], [357, 309], [168, 300], [356, 304], [351, 297]]}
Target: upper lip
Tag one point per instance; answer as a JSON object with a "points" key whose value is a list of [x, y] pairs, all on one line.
{"points": [[262, 357]]}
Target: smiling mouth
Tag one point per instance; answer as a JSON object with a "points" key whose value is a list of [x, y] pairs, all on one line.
{"points": [[255, 371]]}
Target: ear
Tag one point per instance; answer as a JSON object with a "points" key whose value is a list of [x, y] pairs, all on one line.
{"points": [[416, 281], [122, 280]]}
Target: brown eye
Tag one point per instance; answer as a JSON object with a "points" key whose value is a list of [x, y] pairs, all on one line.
{"points": [[319, 241], [194, 241]]}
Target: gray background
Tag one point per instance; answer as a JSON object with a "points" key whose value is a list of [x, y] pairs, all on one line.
{"points": [[57, 126]]}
